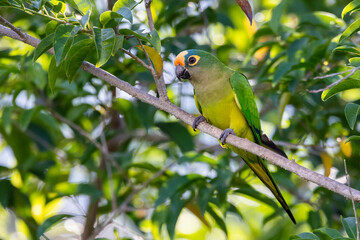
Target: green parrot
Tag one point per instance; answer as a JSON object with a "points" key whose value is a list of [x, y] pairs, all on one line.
{"points": [[225, 99]]}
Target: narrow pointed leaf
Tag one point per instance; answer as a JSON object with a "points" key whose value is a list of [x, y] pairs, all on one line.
{"points": [[76, 57], [350, 7], [62, 39], [43, 46], [26, 117], [353, 28], [119, 40], [52, 73], [246, 7], [275, 23], [349, 225], [155, 40], [342, 86], [104, 43], [353, 138], [351, 113]]}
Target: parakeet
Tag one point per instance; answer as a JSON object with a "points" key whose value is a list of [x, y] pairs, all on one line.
{"points": [[225, 99]]}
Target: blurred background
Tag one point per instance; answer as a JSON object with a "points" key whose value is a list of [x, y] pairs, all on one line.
{"points": [[56, 181]]}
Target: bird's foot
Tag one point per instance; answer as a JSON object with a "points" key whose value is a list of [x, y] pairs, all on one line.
{"points": [[197, 121], [225, 134]]}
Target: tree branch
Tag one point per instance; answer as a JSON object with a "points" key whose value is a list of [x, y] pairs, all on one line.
{"points": [[352, 72], [149, 15], [240, 143]]}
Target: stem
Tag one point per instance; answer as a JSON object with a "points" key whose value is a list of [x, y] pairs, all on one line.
{"points": [[352, 72]]}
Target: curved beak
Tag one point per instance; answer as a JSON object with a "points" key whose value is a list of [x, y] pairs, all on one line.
{"points": [[181, 72]]}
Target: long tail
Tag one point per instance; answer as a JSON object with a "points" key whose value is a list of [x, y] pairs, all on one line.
{"points": [[257, 165], [263, 173]]}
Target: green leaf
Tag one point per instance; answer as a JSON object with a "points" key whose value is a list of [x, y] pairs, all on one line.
{"points": [[104, 43], [176, 184], [275, 23], [155, 59], [349, 225], [76, 57], [353, 28], [51, 27], [125, 32], [351, 113], [131, 4], [43, 46], [350, 7], [155, 40], [25, 118], [62, 42], [119, 40], [107, 16], [83, 6], [305, 236], [333, 233], [348, 49], [126, 13], [49, 222], [52, 73], [177, 204], [179, 134], [342, 86], [353, 138], [281, 70], [355, 61], [85, 19], [219, 221], [6, 119]]}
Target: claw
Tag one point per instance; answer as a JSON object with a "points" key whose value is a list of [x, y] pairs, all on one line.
{"points": [[225, 134], [197, 121]]}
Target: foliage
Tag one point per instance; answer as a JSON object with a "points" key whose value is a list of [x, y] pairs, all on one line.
{"points": [[70, 141]]}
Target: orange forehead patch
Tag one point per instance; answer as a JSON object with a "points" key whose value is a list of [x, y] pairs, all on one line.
{"points": [[180, 58]]}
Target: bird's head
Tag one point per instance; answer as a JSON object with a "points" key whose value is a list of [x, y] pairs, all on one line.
{"points": [[191, 64]]}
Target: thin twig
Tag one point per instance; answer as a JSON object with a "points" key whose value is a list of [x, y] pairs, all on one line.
{"points": [[136, 58], [149, 61], [149, 15], [207, 128], [6, 23], [352, 72], [124, 206], [353, 202]]}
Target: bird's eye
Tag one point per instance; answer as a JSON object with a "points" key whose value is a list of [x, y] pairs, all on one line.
{"points": [[192, 60]]}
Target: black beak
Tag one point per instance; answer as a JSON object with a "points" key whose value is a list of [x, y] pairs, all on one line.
{"points": [[182, 73]]}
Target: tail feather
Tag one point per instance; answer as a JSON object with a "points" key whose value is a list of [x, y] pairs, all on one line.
{"points": [[263, 173]]}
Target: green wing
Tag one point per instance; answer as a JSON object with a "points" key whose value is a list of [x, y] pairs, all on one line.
{"points": [[247, 105]]}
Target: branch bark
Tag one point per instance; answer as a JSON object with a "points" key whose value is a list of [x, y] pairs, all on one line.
{"points": [[241, 143]]}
